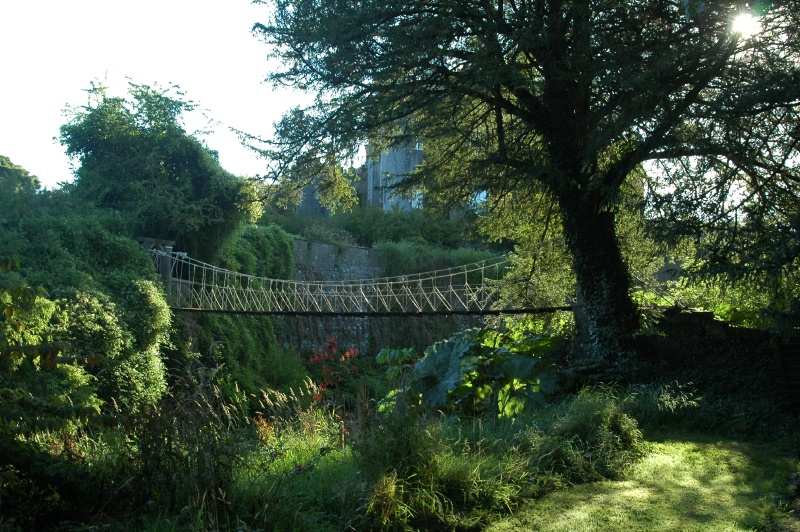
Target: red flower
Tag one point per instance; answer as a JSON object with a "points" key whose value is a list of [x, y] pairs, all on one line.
{"points": [[333, 345]]}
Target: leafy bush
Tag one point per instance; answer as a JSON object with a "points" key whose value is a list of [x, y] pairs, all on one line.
{"points": [[40, 389], [142, 308], [478, 369], [246, 349], [18, 188], [63, 243], [741, 304], [263, 251], [40, 394], [126, 375], [585, 438], [415, 256], [372, 225]]}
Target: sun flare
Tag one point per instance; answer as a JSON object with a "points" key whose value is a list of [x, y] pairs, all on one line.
{"points": [[746, 24]]}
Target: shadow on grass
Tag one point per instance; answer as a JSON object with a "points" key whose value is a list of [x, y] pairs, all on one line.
{"points": [[685, 482]]}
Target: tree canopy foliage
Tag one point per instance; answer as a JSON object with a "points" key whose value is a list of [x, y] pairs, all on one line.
{"points": [[15, 179], [568, 98], [135, 156]]}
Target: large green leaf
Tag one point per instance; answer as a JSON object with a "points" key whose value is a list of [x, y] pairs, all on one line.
{"points": [[520, 367], [442, 368], [477, 368]]}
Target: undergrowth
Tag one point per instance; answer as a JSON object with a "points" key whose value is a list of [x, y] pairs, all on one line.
{"points": [[430, 471], [211, 457]]}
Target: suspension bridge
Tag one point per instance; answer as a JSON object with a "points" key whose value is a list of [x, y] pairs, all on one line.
{"points": [[472, 289]]}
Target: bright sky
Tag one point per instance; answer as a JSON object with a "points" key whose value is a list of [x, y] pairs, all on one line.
{"points": [[52, 49]]}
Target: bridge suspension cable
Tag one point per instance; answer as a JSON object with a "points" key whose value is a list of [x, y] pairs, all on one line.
{"points": [[469, 289]]}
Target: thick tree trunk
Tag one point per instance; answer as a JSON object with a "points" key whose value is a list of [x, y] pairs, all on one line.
{"points": [[610, 318]]}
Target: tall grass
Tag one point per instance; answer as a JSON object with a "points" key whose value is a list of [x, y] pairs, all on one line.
{"points": [[302, 466], [452, 472]]}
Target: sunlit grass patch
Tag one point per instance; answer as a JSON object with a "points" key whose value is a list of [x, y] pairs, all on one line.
{"points": [[693, 484]]}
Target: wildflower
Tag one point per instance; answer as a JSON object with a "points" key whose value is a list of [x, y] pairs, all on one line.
{"points": [[333, 345]]}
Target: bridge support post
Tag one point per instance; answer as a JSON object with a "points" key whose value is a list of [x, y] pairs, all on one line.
{"points": [[166, 263]]}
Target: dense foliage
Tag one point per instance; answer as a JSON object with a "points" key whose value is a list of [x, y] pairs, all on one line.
{"points": [[372, 225], [263, 251], [111, 307], [134, 156], [476, 371], [95, 352]]}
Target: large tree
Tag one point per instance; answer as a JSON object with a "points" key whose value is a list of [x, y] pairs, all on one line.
{"points": [[135, 156], [563, 97]]}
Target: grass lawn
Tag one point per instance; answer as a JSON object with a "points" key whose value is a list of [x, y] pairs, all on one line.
{"points": [[684, 483]]}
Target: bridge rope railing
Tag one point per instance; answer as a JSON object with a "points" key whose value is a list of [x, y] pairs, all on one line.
{"points": [[467, 289]]}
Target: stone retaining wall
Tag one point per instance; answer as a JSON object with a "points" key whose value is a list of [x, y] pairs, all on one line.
{"points": [[317, 261]]}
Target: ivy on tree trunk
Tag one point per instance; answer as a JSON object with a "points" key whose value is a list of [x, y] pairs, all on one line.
{"points": [[609, 315]]}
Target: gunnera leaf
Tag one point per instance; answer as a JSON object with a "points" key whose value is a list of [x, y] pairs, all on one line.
{"points": [[442, 368]]}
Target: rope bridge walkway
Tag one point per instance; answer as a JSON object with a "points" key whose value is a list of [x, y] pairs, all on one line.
{"points": [[192, 285]]}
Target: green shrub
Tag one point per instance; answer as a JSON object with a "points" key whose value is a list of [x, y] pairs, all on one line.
{"points": [[141, 306], [63, 243], [42, 399], [263, 251], [130, 377], [38, 389], [246, 349], [480, 370], [416, 256]]}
